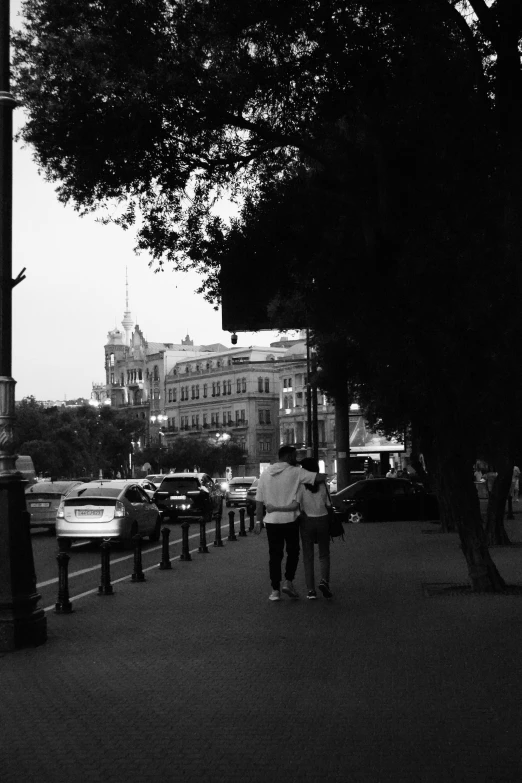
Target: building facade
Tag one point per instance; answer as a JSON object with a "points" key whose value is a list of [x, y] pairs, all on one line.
{"points": [[231, 395]]}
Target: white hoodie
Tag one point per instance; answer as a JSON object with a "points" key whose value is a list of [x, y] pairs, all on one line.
{"points": [[278, 485]]}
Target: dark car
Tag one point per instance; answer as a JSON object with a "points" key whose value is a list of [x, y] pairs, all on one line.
{"points": [[189, 496], [383, 499], [251, 496]]}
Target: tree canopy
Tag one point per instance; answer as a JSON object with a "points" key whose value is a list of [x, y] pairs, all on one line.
{"points": [[373, 152], [75, 443]]}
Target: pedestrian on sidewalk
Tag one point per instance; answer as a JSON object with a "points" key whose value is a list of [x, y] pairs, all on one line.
{"points": [[313, 524], [278, 486]]}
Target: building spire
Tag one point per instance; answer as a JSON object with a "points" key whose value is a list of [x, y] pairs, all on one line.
{"points": [[127, 322]]}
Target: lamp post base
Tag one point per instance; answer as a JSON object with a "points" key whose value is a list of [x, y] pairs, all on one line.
{"points": [[22, 623]]}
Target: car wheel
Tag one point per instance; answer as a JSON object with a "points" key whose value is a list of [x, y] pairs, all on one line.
{"points": [[355, 517], [155, 535]]}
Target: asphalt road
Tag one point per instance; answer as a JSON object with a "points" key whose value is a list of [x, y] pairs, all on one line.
{"points": [[85, 559]]}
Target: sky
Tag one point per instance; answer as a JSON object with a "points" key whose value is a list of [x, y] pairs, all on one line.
{"points": [[74, 291]]}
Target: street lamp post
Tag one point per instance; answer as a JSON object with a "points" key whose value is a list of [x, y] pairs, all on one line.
{"points": [[22, 623]]}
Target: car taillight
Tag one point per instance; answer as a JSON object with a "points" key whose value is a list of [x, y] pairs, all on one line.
{"points": [[60, 512], [119, 510]]}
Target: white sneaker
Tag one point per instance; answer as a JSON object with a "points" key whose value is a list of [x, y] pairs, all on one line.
{"points": [[289, 589], [275, 595]]}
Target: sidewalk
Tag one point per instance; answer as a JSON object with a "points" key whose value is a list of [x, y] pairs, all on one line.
{"points": [[195, 676]]}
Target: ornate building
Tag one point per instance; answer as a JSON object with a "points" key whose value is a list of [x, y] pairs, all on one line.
{"points": [[232, 394]]}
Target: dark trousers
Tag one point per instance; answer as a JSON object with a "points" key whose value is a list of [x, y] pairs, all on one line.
{"points": [[278, 537]]}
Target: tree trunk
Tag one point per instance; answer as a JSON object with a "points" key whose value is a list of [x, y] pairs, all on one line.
{"points": [[459, 489]]}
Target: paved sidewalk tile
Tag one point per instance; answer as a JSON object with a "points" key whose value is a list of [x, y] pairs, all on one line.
{"points": [[195, 676]]}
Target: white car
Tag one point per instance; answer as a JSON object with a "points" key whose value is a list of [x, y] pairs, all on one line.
{"points": [[107, 509], [149, 486]]}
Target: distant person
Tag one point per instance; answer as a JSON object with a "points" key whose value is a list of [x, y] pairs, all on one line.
{"points": [[392, 473], [479, 476], [515, 483], [278, 487]]}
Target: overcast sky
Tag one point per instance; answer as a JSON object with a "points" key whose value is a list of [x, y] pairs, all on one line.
{"points": [[74, 291]]}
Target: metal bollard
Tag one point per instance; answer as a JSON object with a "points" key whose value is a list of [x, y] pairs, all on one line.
{"points": [[185, 554], [242, 529], [138, 575], [203, 548], [252, 518], [165, 559], [231, 533], [63, 605], [105, 587], [218, 540]]}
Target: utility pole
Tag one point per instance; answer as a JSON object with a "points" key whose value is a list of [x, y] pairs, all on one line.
{"points": [[309, 428], [21, 622]]}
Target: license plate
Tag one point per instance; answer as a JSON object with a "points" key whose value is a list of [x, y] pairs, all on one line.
{"points": [[89, 512], [40, 505], [178, 497]]}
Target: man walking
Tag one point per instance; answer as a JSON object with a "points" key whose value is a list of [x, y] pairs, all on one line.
{"points": [[278, 487]]}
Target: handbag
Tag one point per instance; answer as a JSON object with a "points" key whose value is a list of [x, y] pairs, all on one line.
{"points": [[335, 523]]}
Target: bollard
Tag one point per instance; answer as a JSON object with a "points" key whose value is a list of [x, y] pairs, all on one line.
{"points": [[63, 605], [231, 533], [165, 559], [105, 587], [203, 548], [185, 554], [218, 540], [252, 518], [242, 529], [138, 575]]}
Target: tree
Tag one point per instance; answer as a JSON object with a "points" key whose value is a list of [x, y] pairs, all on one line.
{"points": [[71, 443], [394, 126], [185, 453]]}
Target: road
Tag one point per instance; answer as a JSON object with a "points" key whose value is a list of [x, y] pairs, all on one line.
{"points": [[85, 559]]}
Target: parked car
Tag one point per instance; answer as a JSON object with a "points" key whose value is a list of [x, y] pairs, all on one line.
{"points": [[237, 490], [108, 509], [332, 484], [188, 496], [251, 496], [384, 499], [42, 501], [149, 487], [156, 479]]}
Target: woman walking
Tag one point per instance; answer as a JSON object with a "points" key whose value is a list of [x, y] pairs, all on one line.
{"points": [[313, 525]]}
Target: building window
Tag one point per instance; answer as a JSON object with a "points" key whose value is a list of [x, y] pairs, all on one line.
{"points": [[197, 392], [267, 384], [260, 384], [243, 384], [170, 395], [238, 385], [230, 417], [182, 393], [205, 389], [229, 387], [268, 419], [218, 389], [242, 417], [174, 394], [155, 375], [237, 417], [207, 366], [261, 417], [112, 377], [193, 392], [213, 389], [112, 360], [205, 420]]}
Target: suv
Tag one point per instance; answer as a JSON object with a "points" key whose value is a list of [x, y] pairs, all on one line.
{"points": [[251, 496], [237, 490], [188, 496]]}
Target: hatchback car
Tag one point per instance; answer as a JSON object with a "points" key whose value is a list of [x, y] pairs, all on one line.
{"points": [[108, 509], [149, 487], [385, 499], [237, 490], [42, 501], [155, 479], [188, 496]]}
